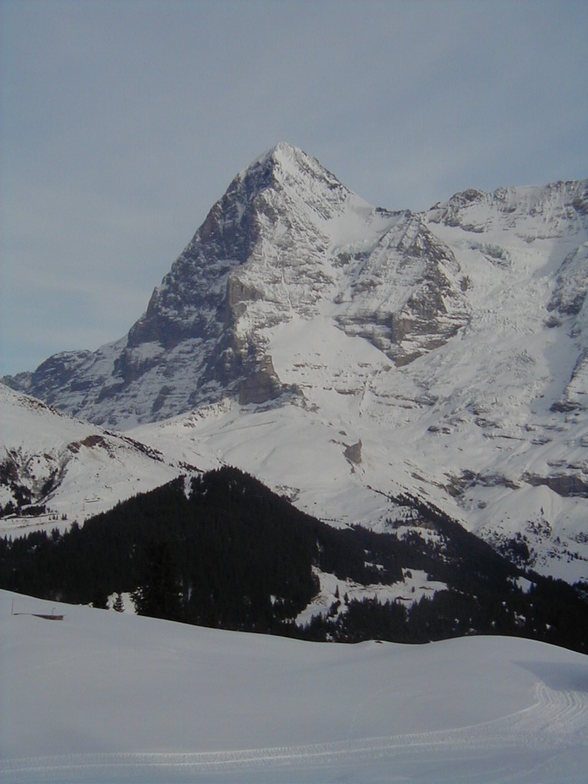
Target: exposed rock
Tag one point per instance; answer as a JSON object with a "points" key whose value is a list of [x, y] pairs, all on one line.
{"points": [[566, 485], [353, 452], [261, 386]]}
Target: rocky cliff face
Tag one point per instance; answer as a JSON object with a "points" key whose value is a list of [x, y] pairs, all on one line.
{"points": [[451, 344]]}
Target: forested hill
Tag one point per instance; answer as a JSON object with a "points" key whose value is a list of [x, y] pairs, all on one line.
{"points": [[222, 550]]}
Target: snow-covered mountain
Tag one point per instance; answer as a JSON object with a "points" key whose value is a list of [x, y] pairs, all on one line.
{"points": [[55, 469], [345, 353], [107, 697], [268, 250]]}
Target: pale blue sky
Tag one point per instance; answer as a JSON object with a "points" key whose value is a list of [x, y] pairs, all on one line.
{"points": [[124, 120]]}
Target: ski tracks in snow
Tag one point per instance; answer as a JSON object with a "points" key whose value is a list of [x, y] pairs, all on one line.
{"points": [[556, 720]]}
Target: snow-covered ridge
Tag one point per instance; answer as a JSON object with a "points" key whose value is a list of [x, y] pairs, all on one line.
{"points": [[544, 211], [56, 469]]}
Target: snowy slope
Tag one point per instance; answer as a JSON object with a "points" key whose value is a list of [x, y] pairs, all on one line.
{"points": [[105, 697], [348, 469], [450, 361], [344, 354], [72, 468]]}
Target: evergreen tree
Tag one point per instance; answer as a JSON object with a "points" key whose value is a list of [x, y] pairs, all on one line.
{"points": [[100, 600], [159, 593], [118, 603]]}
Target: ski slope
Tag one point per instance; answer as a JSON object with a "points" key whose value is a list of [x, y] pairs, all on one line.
{"points": [[105, 697]]}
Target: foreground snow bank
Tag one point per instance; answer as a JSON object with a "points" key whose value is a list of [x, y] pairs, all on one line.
{"points": [[103, 697]]}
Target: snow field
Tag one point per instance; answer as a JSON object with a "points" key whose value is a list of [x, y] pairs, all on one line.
{"points": [[411, 589], [108, 697]]}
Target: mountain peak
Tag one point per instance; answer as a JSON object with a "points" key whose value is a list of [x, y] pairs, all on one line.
{"points": [[282, 151], [285, 166]]}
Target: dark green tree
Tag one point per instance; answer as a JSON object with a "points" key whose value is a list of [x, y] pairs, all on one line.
{"points": [[159, 593], [100, 600]]}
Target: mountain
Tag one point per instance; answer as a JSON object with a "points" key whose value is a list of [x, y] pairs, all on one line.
{"points": [[346, 354], [55, 469], [257, 258]]}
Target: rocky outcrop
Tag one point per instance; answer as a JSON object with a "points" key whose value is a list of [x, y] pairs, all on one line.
{"points": [[564, 484], [406, 296]]}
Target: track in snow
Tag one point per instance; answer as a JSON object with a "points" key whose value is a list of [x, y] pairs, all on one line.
{"points": [[557, 721]]}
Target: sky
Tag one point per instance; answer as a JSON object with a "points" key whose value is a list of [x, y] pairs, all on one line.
{"points": [[123, 121]]}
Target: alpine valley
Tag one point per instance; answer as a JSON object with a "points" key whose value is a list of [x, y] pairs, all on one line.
{"points": [[394, 370]]}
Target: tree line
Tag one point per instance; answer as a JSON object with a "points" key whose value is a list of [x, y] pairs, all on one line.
{"points": [[231, 554]]}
